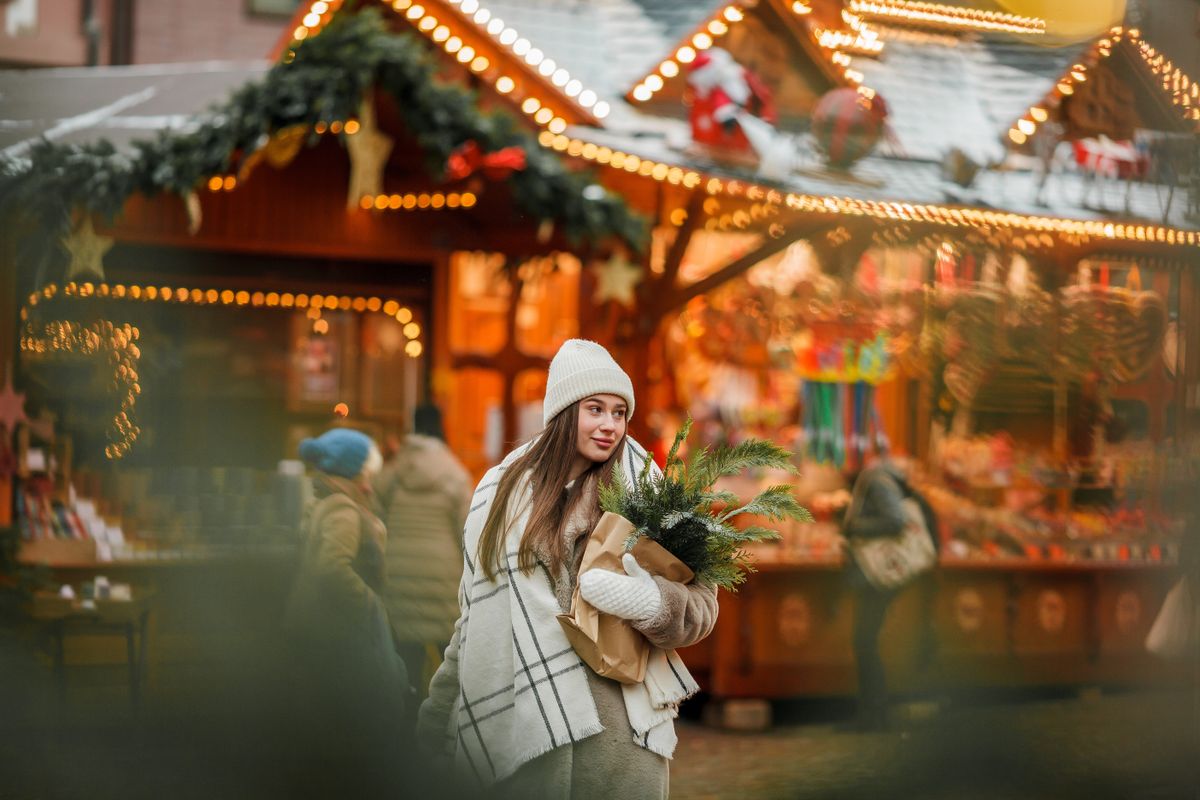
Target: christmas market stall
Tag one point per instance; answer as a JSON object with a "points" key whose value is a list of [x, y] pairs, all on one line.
{"points": [[905, 228], [334, 241]]}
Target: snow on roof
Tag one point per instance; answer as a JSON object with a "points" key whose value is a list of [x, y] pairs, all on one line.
{"points": [[119, 104], [1067, 194], [960, 92]]}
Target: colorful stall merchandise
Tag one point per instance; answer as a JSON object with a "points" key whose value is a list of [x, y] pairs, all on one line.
{"points": [[1058, 539]]}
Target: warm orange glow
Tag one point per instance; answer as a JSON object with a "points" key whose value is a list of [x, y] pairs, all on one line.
{"points": [[341, 410]]}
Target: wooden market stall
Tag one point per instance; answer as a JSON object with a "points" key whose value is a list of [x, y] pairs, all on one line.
{"points": [[847, 252], [851, 253], [334, 243]]}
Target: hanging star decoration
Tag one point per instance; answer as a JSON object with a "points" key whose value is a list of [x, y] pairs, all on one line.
{"points": [[87, 251], [369, 150], [616, 280], [284, 145], [12, 405], [191, 203]]}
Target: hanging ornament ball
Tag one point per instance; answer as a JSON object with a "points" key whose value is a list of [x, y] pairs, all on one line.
{"points": [[847, 124]]}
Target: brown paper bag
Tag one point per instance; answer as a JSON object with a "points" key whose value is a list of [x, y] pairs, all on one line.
{"points": [[609, 644]]}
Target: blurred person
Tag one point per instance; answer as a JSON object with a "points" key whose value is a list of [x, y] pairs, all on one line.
{"points": [[350, 681], [425, 492], [512, 706], [1175, 633], [876, 510]]}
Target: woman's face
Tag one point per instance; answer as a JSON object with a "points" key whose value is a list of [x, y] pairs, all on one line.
{"points": [[601, 427]]}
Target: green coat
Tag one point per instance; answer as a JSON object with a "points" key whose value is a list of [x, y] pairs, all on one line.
{"points": [[425, 492], [351, 682]]}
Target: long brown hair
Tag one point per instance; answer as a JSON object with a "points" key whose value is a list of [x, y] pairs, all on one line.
{"points": [[548, 464]]}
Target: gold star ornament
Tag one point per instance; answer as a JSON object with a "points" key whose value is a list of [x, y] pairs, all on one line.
{"points": [[616, 280], [12, 405], [369, 150], [86, 250]]}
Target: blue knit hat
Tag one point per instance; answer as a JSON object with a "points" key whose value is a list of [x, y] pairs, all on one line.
{"points": [[340, 451]]}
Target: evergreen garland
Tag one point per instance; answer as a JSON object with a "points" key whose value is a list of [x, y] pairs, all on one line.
{"points": [[324, 81], [678, 509]]}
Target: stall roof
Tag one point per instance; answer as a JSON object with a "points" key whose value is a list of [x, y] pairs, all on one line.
{"points": [[962, 92], [608, 45], [120, 104], [951, 89], [879, 178]]}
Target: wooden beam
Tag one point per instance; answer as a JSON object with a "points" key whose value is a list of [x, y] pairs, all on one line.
{"points": [[803, 43], [683, 237], [770, 247]]}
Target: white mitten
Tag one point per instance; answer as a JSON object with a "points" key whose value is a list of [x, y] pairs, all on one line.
{"points": [[633, 596]]}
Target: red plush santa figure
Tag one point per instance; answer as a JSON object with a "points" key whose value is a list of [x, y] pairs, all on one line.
{"points": [[722, 91]]}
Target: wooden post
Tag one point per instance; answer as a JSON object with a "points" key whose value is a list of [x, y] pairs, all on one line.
{"points": [[9, 304]]}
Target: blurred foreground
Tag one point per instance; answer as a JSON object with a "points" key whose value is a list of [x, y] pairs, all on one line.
{"points": [[224, 728]]}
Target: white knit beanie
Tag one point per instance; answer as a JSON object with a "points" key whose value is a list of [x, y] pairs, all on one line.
{"points": [[581, 369]]}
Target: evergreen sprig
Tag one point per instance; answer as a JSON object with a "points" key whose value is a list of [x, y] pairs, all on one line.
{"points": [[324, 81], [678, 509]]}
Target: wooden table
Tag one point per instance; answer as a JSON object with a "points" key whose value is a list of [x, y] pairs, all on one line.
{"points": [[999, 623], [61, 617]]}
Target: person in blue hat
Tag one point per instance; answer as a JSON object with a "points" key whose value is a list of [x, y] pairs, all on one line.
{"points": [[353, 684]]}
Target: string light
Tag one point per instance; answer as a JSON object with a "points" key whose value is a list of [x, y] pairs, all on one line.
{"points": [[876, 209], [318, 16], [942, 16], [222, 183], [860, 38], [1184, 92], [58, 337], [491, 32], [702, 37], [69, 337], [418, 201]]}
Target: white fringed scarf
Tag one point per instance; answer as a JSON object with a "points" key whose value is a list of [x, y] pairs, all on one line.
{"points": [[503, 718]]}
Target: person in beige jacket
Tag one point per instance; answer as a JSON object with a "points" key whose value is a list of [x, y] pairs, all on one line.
{"points": [[425, 491], [350, 684]]}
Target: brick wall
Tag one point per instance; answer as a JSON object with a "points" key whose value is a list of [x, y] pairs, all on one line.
{"points": [[49, 33], [185, 30]]}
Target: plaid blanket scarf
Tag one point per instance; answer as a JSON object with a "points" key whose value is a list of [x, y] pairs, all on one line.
{"points": [[523, 691]]}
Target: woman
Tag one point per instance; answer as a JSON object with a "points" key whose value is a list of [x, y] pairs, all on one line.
{"points": [[350, 680], [512, 705], [877, 511]]}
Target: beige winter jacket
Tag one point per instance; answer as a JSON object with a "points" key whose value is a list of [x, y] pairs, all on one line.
{"points": [[425, 492]]}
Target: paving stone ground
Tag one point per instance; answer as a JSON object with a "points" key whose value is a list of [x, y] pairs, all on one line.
{"points": [[200, 736], [1098, 745]]}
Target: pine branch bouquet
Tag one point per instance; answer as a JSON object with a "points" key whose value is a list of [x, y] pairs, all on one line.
{"points": [[677, 528], [679, 510]]}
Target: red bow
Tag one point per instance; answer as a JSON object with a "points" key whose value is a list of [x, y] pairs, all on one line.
{"points": [[468, 158]]}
